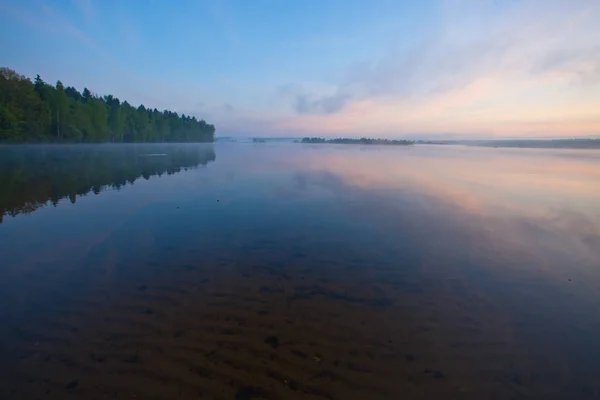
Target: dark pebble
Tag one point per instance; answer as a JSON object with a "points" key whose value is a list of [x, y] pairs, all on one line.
{"points": [[272, 341], [246, 393], [132, 359], [217, 200], [292, 385], [210, 353], [435, 374], [96, 358], [72, 385]]}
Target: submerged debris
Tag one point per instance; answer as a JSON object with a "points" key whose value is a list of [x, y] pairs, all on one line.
{"points": [[133, 358], [435, 374], [249, 393], [72, 384], [272, 341]]}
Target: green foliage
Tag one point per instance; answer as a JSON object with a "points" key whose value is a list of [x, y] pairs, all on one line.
{"points": [[39, 112], [21, 109]]}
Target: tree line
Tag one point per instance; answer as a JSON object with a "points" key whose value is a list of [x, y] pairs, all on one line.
{"points": [[34, 176], [357, 141], [39, 112]]}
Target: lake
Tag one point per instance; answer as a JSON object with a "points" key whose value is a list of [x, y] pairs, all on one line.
{"points": [[291, 271]]}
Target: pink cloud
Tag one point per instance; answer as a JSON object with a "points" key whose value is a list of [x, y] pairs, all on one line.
{"points": [[532, 70]]}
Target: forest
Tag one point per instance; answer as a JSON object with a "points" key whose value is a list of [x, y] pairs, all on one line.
{"points": [[32, 112]]}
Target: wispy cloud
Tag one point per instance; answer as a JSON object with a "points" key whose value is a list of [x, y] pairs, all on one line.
{"points": [[513, 43], [86, 9], [487, 69], [324, 105], [131, 86], [46, 18], [220, 13], [492, 67], [130, 33]]}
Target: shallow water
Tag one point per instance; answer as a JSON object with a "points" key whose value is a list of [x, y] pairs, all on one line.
{"points": [[289, 271]]}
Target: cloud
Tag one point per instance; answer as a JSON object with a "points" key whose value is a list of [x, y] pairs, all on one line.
{"points": [[221, 14], [52, 21], [130, 33], [465, 48], [490, 68], [49, 19], [579, 65], [86, 8], [324, 105], [231, 119], [312, 99], [484, 68]]}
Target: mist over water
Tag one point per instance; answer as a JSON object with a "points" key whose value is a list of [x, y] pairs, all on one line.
{"points": [[431, 271]]}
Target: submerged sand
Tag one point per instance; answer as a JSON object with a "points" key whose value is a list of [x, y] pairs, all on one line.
{"points": [[238, 329]]}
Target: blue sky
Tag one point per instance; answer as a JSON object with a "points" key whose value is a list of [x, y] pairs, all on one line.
{"points": [[387, 68]]}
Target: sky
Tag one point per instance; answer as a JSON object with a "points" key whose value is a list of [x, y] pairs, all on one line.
{"points": [[379, 68]]}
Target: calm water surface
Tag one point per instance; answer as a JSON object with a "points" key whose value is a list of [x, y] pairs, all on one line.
{"points": [[289, 271]]}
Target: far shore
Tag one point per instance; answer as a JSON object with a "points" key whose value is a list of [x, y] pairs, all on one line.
{"points": [[363, 141], [523, 143]]}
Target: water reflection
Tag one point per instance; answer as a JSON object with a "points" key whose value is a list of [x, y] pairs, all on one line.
{"points": [[337, 272], [33, 176], [506, 214], [558, 191]]}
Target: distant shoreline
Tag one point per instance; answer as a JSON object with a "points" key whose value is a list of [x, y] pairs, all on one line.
{"points": [[578, 143], [522, 143], [363, 141]]}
